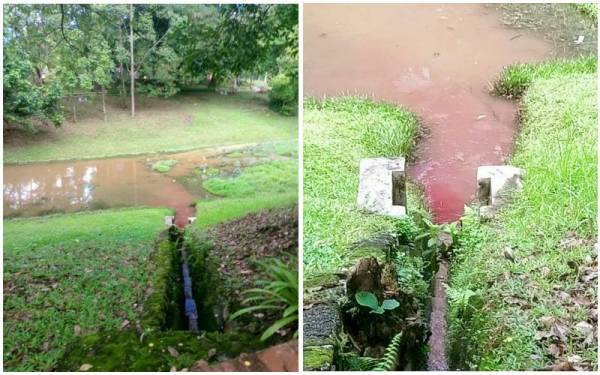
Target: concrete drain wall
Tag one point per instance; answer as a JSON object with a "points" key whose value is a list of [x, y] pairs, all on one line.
{"points": [[494, 183]]}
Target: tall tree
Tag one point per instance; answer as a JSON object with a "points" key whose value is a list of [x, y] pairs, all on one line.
{"points": [[132, 65]]}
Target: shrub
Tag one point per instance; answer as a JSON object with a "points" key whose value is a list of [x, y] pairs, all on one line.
{"points": [[284, 94]]}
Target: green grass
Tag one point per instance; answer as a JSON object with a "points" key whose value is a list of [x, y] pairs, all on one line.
{"points": [[87, 269], [269, 178], [337, 134], [515, 79], [588, 9], [188, 121], [163, 166], [256, 188], [557, 148], [213, 212]]}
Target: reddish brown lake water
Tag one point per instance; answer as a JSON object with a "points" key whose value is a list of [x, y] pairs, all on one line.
{"points": [[42, 188], [437, 60]]}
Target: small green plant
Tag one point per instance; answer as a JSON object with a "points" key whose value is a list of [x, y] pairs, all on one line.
{"points": [[442, 237], [461, 300], [278, 292], [369, 299]]}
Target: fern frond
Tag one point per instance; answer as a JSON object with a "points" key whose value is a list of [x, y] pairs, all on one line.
{"points": [[389, 361]]}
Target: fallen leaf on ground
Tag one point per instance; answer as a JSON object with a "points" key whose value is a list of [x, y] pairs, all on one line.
{"points": [[85, 367], [555, 350], [77, 329], [211, 353], [547, 321], [173, 351], [560, 331]]}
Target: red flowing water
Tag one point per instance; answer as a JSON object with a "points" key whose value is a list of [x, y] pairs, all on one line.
{"points": [[435, 59]]}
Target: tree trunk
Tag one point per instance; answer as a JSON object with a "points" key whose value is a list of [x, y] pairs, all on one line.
{"points": [[103, 102], [132, 70], [75, 109]]}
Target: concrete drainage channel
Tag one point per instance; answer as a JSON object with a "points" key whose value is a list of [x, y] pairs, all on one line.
{"points": [[189, 304], [335, 319]]}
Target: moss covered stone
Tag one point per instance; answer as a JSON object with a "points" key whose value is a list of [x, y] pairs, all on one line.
{"points": [[154, 351], [318, 358]]}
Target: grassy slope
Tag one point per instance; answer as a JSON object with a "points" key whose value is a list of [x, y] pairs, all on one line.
{"points": [[60, 272], [185, 122], [557, 148], [337, 134]]}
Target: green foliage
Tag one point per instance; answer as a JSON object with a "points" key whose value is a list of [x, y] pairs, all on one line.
{"points": [[86, 50], [389, 361], [440, 237], [557, 147], [277, 292], [212, 212], [273, 177], [163, 166], [337, 134], [284, 94], [25, 102], [85, 270], [412, 272], [369, 300]]}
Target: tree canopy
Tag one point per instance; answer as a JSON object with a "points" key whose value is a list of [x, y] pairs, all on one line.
{"points": [[54, 53]]}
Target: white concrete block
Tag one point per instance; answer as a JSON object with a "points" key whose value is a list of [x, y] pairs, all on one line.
{"points": [[169, 220], [494, 183], [191, 220], [382, 186]]}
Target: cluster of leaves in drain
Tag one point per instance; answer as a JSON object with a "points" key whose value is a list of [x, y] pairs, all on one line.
{"points": [[370, 300], [278, 292]]}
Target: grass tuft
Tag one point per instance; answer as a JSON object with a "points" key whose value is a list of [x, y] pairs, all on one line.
{"points": [[588, 9], [163, 166], [516, 79]]}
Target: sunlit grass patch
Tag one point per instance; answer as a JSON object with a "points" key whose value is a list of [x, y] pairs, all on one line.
{"points": [[210, 212], [188, 121], [273, 177]]}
